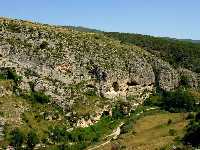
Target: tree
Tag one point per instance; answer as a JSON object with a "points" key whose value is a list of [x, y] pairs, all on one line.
{"points": [[192, 135], [178, 101]]}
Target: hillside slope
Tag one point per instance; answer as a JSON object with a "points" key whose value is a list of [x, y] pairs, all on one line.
{"points": [[179, 53], [85, 74], [64, 63]]}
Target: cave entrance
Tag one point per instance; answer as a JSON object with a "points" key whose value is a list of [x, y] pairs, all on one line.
{"points": [[132, 83], [115, 86], [106, 113]]}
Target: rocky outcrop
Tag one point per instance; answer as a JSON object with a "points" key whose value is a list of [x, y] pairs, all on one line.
{"points": [[70, 66], [188, 78], [6, 88], [167, 77], [2, 123]]}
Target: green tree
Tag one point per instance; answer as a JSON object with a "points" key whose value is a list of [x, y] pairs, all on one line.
{"points": [[192, 135], [178, 101]]}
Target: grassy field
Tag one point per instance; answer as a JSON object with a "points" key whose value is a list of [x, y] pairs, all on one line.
{"points": [[153, 132]]}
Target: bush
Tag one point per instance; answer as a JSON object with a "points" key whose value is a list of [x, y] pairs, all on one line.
{"points": [[57, 134], [121, 109], [2, 76], [76, 146], [127, 126], [17, 138], [190, 116], [184, 81], [192, 136], [12, 75], [172, 132], [197, 117], [32, 139], [153, 100], [39, 97], [169, 122], [91, 92], [117, 113], [44, 45]]}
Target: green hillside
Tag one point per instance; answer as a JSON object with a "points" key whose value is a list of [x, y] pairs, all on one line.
{"points": [[178, 53], [69, 88]]}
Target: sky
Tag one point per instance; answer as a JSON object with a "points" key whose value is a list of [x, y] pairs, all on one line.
{"points": [[166, 18]]}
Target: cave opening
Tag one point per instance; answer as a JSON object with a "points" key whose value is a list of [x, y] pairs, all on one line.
{"points": [[115, 86], [106, 113], [132, 83]]}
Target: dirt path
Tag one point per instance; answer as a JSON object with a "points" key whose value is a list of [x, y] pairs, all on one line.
{"points": [[113, 135], [116, 132]]}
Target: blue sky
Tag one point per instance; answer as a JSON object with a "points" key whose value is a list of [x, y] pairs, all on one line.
{"points": [[172, 18]]}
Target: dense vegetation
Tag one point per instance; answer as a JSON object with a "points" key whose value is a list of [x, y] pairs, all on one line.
{"points": [[178, 53], [60, 138], [180, 100], [193, 132]]}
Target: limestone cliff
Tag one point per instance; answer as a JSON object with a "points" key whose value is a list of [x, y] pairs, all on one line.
{"points": [[68, 65]]}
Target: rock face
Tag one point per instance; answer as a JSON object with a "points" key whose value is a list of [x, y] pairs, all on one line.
{"points": [[166, 77], [2, 123], [188, 78], [70, 66], [6, 88]]}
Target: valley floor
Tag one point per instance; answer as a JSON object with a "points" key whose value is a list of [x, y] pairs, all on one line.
{"points": [[152, 132]]}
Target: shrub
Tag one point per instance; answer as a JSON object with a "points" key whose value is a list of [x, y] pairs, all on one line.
{"points": [[2, 76], [32, 139], [130, 98], [197, 117], [91, 92], [82, 136], [169, 122], [17, 138], [30, 72], [127, 126], [192, 136], [117, 112], [172, 132], [121, 110], [190, 116], [44, 45], [12, 75], [39, 97], [184, 81], [153, 100], [57, 134]]}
